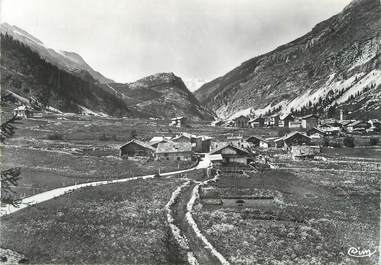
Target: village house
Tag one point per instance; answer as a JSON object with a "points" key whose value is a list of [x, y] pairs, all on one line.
{"points": [[267, 143], [315, 133], [232, 155], [358, 127], [174, 151], [330, 131], [274, 120], [206, 144], [241, 122], [296, 123], [291, 139], [155, 141], [254, 140], [309, 121], [200, 144], [285, 120], [216, 160], [375, 125], [22, 112], [178, 121], [136, 148], [330, 123], [257, 122]]}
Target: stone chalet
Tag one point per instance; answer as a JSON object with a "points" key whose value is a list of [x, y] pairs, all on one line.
{"points": [[136, 148], [232, 155], [174, 151]]}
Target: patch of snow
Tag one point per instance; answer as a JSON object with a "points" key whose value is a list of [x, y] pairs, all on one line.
{"points": [[374, 77], [86, 111]]}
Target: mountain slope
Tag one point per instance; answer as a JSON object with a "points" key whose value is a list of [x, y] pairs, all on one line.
{"points": [[25, 73], [336, 64], [68, 61], [162, 95]]}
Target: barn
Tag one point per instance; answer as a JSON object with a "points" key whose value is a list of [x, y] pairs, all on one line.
{"points": [[136, 148]]}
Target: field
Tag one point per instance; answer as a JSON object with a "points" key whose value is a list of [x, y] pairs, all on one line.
{"points": [[77, 156], [304, 212], [117, 223], [316, 214]]}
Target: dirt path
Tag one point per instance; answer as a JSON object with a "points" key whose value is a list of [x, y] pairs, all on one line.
{"points": [[196, 245], [48, 195]]}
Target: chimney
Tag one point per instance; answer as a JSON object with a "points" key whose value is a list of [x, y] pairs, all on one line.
{"points": [[341, 115]]}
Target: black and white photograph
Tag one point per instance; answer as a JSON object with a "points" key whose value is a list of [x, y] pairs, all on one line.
{"points": [[190, 132]]}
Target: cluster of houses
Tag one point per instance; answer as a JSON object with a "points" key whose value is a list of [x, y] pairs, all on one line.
{"points": [[233, 150], [275, 120], [328, 126], [178, 148]]}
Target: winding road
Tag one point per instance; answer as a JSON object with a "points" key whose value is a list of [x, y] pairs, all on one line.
{"points": [[48, 195]]}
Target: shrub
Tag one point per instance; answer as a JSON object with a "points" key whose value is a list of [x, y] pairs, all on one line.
{"points": [[55, 136], [349, 141], [374, 141]]}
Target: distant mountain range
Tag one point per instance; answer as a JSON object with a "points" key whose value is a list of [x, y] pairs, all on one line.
{"points": [[69, 61], [336, 65], [63, 80], [162, 95]]}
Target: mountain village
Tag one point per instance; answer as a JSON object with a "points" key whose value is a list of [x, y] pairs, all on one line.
{"points": [[277, 162]]}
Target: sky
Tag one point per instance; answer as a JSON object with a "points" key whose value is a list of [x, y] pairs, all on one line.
{"points": [[196, 39]]}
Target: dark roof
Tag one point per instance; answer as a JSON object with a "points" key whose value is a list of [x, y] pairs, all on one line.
{"points": [[256, 137], [174, 147], [288, 136], [138, 142], [229, 145]]}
